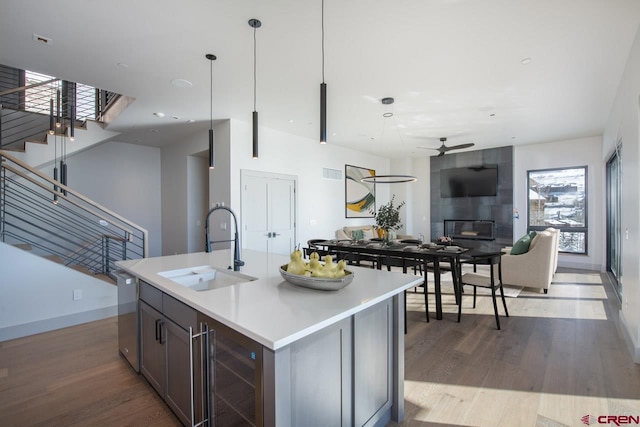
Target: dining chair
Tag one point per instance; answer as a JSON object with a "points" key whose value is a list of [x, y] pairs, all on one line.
{"points": [[481, 280]]}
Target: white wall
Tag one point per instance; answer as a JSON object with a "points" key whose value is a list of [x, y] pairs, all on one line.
{"points": [[421, 199], [561, 154], [321, 209], [623, 125], [175, 184], [36, 295], [124, 178]]}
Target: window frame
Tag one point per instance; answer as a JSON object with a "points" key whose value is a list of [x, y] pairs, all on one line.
{"points": [[563, 229]]}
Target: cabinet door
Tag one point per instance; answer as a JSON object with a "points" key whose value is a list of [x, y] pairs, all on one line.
{"points": [[152, 355], [179, 392]]}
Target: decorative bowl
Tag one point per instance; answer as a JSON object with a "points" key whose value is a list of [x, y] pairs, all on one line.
{"points": [[319, 283]]}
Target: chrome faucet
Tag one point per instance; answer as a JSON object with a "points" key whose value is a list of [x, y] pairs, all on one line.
{"points": [[237, 262]]}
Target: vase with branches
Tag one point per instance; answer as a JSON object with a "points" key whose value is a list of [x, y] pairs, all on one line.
{"points": [[388, 217]]}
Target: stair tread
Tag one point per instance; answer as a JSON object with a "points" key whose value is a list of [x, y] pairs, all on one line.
{"points": [[23, 246], [54, 258]]}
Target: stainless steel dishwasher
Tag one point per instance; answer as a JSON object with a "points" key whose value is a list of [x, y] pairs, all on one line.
{"points": [[128, 330]]}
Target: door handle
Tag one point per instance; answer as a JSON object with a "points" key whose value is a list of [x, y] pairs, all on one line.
{"points": [[268, 235]]}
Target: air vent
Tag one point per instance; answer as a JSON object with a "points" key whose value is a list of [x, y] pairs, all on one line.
{"points": [[331, 173]]}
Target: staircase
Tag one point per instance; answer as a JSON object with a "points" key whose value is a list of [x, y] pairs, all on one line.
{"points": [[52, 220], [40, 109], [39, 213]]}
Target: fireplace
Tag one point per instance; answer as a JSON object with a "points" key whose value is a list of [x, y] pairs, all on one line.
{"points": [[470, 229]]}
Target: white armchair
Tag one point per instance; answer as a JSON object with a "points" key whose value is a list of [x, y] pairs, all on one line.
{"points": [[535, 268]]}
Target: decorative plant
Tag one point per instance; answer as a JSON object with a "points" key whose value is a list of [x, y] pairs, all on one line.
{"points": [[388, 216], [444, 239]]}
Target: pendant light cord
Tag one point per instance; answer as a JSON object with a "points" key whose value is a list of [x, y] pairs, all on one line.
{"points": [[322, 28], [211, 95], [254, 68]]}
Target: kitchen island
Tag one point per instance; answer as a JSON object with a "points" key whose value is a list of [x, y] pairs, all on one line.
{"points": [[317, 357]]}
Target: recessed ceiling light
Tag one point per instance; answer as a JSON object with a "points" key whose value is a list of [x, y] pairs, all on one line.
{"points": [[191, 121], [154, 130], [526, 61], [175, 117], [159, 114], [122, 65], [181, 83], [492, 114], [333, 134], [290, 120]]}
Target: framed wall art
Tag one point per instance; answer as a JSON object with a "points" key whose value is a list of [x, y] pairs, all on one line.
{"points": [[360, 197]]}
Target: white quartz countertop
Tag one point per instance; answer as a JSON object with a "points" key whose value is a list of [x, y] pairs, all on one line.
{"points": [[270, 310]]}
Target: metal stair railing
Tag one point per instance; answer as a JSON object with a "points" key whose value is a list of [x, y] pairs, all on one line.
{"points": [[25, 109], [74, 228]]}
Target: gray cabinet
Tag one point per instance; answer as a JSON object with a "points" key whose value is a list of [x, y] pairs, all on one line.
{"points": [[169, 352], [341, 375], [152, 351], [344, 374]]}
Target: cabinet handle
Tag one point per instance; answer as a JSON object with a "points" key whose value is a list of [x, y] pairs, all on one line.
{"points": [[201, 383], [158, 329]]}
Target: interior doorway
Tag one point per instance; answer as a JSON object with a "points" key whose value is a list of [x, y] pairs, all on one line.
{"points": [[268, 211], [197, 200], [614, 218]]}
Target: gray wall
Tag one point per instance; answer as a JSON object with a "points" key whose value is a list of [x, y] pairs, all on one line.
{"points": [[124, 178], [498, 208]]}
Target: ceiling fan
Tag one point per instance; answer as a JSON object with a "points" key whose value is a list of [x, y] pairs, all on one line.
{"points": [[443, 148]]}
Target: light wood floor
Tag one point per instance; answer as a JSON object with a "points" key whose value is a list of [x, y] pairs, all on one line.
{"points": [[557, 358]]}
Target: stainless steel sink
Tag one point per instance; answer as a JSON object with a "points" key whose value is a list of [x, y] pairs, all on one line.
{"points": [[205, 277]]}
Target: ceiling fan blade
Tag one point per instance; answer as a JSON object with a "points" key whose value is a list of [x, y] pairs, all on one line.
{"points": [[441, 154], [428, 148], [459, 147]]}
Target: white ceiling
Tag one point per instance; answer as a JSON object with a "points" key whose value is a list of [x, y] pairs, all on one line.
{"points": [[453, 66]]}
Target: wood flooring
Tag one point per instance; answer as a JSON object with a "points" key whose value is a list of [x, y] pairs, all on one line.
{"points": [[558, 357]]}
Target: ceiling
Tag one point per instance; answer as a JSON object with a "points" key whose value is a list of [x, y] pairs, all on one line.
{"points": [[454, 67]]}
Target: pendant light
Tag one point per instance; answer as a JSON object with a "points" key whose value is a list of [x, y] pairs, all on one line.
{"points": [[255, 24], [323, 91], [389, 179], [211, 58]]}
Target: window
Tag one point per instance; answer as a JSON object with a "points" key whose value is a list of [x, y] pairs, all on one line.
{"points": [[558, 198]]}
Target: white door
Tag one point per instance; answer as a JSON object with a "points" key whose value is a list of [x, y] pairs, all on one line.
{"points": [[268, 212]]}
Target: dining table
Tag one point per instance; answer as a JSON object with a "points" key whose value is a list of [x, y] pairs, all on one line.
{"points": [[431, 255]]}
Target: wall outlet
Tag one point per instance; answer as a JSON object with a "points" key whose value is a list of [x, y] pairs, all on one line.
{"points": [[77, 294]]}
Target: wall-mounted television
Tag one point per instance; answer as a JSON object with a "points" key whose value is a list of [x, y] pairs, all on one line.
{"points": [[471, 181]]}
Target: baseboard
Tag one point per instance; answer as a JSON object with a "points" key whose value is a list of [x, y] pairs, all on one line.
{"points": [[45, 325], [579, 266], [632, 345]]}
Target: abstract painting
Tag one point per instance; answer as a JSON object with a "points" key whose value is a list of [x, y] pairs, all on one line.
{"points": [[360, 197]]}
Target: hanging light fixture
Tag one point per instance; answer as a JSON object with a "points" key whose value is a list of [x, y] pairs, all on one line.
{"points": [[72, 122], [211, 58], [55, 159], [323, 91], [389, 179], [255, 24]]}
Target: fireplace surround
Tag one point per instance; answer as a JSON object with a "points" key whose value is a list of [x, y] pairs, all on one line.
{"points": [[497, 209], [469, 229]]}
